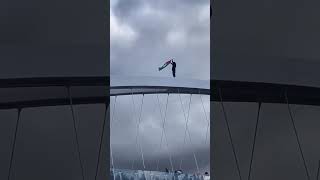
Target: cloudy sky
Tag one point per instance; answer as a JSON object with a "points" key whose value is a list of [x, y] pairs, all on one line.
{"points": [[143, 35]]}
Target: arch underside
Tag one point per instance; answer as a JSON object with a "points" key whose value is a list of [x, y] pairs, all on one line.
{"points": [[37, 92]]}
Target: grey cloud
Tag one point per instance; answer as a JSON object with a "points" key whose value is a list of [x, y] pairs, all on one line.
{"points": [[151, 48], [129, 7], [124, 129], [142, 58]]}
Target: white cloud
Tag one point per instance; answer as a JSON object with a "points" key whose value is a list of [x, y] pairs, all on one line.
{"points": [[176, 38], [204, 14], [121, 33], [113, 3], [148, 10]]}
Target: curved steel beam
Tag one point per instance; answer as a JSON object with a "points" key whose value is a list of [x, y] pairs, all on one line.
{"points": [[236, 91], [232, 91], [128, 90]]}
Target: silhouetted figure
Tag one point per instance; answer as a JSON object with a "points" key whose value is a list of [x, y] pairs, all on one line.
{"points": [[206, 176], [167, 171], [173, 68]]}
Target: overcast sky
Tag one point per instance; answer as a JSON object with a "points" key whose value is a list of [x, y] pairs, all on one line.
{"points": [[143, 35]]}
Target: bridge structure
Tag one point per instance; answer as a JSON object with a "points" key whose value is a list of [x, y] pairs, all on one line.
{"points": [[224, 91], [26, 93], [154, 88], [263, 94]]}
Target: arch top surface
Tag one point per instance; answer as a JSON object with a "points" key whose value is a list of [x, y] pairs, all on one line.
{"points": [[52, 91], [135, 81], [130, 90], [123, 85]]}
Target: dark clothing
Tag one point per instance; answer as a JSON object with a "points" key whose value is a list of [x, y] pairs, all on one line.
{"points": [[174, 69], [174, 64]]}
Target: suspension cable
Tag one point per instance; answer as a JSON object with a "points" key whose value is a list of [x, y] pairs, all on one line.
{"points": [[254, 141], [194, 155], [76, 132], [184, 115], [14, 143], [114, 109], [207, 121], [111, 125], [297, 136], [141, 151], [229, 133], [101, 139], [187, 130], [112, 163], [163, 132], [133, 117], [138, 127]]}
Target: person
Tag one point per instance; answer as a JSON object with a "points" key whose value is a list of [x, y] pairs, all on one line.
{"points": [[173, 68], [167, 171], [206, 176]]}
